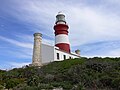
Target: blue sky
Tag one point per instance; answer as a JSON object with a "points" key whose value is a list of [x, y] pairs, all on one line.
{"points": [[94, 27]]}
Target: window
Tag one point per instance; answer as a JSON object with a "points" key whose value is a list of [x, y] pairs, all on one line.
{"points": [[64, 56], [57, 55], [69, 57]]}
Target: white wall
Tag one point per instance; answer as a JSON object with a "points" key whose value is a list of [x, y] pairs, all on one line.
{"points": [[47, 53], [61, 55]]}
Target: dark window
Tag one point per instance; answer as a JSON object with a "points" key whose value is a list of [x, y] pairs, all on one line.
{"points": [[69, 57], [64, 57], [57, 55]]}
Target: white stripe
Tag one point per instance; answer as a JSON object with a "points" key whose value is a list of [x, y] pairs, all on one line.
{"points": [[60, 22], [61, 38]]}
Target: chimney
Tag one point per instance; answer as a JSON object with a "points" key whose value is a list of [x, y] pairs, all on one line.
{"points": [[77, 52]]}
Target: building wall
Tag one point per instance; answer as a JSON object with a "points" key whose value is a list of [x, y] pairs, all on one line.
{"points": [[62, 54], [47, 53]]}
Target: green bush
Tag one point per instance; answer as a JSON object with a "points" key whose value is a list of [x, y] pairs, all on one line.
{"points": [[1, 87], [12, 83], [74, 74]]}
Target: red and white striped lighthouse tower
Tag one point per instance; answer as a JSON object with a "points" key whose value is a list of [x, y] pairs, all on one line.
{"points": [[61, 33]]}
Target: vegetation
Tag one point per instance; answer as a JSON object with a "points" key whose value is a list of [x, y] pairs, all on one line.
{"points": [[74, 74]]}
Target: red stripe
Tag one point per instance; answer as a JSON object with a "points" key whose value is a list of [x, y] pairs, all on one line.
{"points": [[61, 29], [64, 47], [61, 32]]}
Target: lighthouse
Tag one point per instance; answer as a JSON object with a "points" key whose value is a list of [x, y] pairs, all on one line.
{"points": [[44, 53], [61, 33]]}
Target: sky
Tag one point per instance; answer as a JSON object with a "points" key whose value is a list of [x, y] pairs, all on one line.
{"points": [[94, 27]]}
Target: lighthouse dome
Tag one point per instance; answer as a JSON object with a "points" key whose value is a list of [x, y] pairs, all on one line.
{"points": [[60, 18]]}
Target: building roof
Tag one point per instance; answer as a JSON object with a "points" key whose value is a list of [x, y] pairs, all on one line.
{"points": [[67, 52]]}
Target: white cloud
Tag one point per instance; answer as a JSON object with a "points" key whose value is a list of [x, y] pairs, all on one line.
{"points": [[18, 65], [22, 48], [113, 1], [114, 53], [10, 65], [30, 38], [93, 25], [102, 49], [47, 41], [18, 49], [88, 23], [17, 43], [20, 53], [24, 37]]}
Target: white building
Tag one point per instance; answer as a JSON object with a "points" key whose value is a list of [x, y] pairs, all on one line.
{"points": [[53, 53]]}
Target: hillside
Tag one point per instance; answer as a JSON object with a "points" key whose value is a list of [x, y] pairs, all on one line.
{"points": [[75, 74]]}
